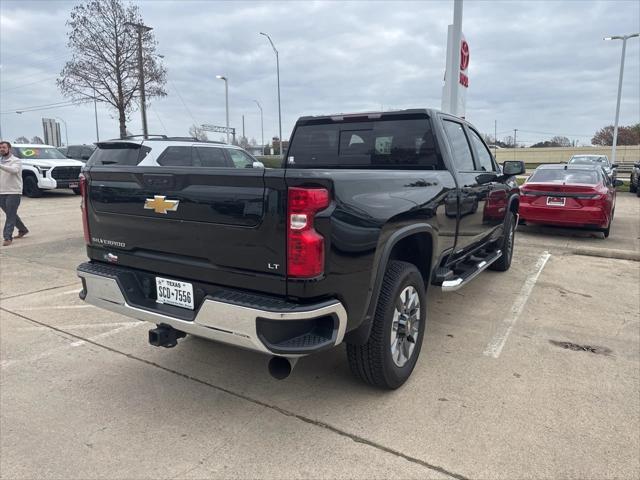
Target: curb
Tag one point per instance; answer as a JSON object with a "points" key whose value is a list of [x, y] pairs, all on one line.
{"points": [[607, 253]]}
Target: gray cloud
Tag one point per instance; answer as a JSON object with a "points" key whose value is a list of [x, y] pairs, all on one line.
{"points": [[535, 66]]}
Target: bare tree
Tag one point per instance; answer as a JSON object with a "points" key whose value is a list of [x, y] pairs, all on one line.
{"points": [[198, 132], [104, 58], [21, 140], [37, 140]]}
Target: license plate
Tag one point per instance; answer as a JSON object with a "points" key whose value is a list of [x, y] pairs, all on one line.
{"points": [[173, 292], [73, 185], [556, 201]]}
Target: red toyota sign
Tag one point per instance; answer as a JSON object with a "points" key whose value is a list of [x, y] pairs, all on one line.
{"points": [[464, 55]]}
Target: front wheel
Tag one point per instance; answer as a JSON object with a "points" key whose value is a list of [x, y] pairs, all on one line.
{"points": [[30, 187], [393, 347], [506, 244]]}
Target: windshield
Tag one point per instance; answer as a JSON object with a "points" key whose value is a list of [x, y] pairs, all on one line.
{"points": [[589, 160], [562, 176], [38, 153]]}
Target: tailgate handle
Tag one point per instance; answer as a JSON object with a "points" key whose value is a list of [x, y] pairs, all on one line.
{"points": [[159, 181]]}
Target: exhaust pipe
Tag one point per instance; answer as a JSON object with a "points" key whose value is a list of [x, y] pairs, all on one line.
{"points": [[281, 367], [165, 336]]}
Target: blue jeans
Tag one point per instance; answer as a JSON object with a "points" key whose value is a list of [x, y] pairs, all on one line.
{"points": [[9, 204]]}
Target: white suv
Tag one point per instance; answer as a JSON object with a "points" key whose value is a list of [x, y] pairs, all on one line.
{"points": [[45, 168], [171, 152]]}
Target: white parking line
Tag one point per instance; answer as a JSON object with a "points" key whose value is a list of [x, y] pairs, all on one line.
{"points": [[7, 363], [81, 326], [61, 307], [494, 348]]}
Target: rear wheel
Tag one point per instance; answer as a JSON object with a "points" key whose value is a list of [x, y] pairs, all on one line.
{"points": [[393, 347], [30, 186], [506, 244], [76, 191]]}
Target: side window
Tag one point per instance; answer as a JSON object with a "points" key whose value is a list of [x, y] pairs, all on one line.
{"points": [[355, 142], [210, 157], [73, 152], [462, 158], [240, 159], [484, 157], [176, 157]]}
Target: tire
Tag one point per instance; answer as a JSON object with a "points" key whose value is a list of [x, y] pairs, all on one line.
{"points": [[633, 188], [606, 231], [76, 191], [506, 244], [30, 187], [374, 362], [637, 192]]}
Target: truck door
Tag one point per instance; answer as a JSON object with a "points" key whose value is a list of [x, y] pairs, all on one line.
{"points": [[475, 187]]}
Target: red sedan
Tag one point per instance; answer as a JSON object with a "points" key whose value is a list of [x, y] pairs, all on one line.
{"points": [[569, 196]]}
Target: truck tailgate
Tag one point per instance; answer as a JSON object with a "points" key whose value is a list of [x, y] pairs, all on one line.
{"points": [[215, 225]]}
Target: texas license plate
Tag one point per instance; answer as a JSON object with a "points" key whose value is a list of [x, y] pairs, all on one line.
{"points": [[556, 201], [73, 185], [173, 292]]}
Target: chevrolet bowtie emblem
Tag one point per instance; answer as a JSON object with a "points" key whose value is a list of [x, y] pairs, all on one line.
{"points": [[160, 204]]}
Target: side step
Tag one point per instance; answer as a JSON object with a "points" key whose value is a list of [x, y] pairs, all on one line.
{"points": [[467, 271]]}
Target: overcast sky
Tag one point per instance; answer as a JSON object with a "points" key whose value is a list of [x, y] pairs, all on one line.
{"points": [[541, 67]]}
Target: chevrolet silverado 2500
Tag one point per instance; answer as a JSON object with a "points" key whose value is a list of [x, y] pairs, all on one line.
{"points": [[337, 246]]}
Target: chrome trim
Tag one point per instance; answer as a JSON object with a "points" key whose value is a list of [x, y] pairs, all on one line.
{"points": [[459, 282], [218, 321]]}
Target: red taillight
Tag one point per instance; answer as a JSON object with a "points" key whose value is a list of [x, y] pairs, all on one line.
{"points": [[305, 246], [83, 206]]}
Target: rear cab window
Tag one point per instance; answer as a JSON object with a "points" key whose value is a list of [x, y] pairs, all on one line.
{"points": [[383, 143]]}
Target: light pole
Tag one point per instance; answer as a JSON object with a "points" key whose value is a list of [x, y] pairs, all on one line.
{"points": [[66, 130], [624, 39], [278, 76], [261, 124], [143, 108], [226, 99]]}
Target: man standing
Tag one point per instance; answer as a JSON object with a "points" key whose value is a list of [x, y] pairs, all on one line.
{"points": [[10, 193]]}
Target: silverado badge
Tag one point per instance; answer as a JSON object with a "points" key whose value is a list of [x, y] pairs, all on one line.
{"points": [[160, 204]]}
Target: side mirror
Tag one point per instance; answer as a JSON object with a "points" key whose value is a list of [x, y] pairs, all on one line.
{"points": [[618, 183], [257, 164], [614, 165], [513, 167]]}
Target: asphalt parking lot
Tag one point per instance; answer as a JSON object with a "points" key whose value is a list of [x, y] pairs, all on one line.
{"points": [[533, 373]]}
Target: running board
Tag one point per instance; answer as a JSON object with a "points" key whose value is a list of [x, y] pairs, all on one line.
{"points": [[469, 273]]}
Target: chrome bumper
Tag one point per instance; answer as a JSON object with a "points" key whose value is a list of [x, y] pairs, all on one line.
{"points": [[215, 320]]}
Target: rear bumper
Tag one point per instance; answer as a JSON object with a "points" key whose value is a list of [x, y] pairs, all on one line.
{"points": [[263, 324], [570, 217]]}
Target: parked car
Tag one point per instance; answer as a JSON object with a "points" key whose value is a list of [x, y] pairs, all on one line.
{"points": [[634, 182], [337, 245], [45, 168], [78, 152], [601, 160], [574, 195]]}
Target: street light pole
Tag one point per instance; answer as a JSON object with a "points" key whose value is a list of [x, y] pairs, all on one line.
{"points": [[226, 99], [624, 39], [66, 130], [261, 125], [278, 77], [143, 108]]}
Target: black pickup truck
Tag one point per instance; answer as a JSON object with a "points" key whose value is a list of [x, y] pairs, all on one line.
{"points": [[338, 245]]}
